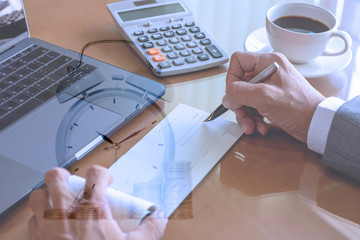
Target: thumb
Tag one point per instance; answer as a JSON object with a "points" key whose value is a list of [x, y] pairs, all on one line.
{"points": [[152, 228]]}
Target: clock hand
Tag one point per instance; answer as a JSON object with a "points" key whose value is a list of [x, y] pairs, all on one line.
{"points": [[131, 135], [106, 138]]}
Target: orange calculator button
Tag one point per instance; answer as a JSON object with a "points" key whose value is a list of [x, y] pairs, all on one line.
{"points": [[159, 58], [153, 51]]}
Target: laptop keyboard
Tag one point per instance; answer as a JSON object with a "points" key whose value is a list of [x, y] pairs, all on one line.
{"points": [[32, 77]]}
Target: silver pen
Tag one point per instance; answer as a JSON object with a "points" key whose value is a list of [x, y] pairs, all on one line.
{"points": [[261, 77]]}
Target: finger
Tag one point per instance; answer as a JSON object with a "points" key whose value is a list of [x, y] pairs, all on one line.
{"points": [[153, 227], [247, 124], [33, 228], [248, 94], [97, 180], [39, 201], [262, 127], [57, 186], [244, 65]]}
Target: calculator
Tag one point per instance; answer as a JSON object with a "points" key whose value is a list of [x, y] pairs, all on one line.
{"points": [[166, 35]]}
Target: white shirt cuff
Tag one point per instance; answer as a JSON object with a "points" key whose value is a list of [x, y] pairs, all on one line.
{"points": [[321, 122]]}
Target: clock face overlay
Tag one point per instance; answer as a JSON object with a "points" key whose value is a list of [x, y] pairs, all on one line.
{"points": [[96, 112]]}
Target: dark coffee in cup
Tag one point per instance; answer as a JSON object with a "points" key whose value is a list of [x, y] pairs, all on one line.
{"points": [[301, 24]]}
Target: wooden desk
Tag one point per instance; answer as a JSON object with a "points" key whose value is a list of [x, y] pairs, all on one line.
{"points": [[280, 191]]}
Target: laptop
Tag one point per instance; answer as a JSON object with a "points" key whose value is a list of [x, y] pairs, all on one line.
{"points": [[53, 111]]}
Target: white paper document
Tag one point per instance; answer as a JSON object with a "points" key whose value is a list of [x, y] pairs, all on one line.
{"points": [[172, 159]]}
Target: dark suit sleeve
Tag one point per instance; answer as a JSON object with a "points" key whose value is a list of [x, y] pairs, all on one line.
{"points": [[342, 151]]}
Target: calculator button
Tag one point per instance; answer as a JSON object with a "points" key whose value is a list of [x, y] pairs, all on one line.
{"points": [[162, 42], [138, 33], [165, 28], [197, 50], [148, 45], [205, 41], [186, 38], [157, 36], [190, 59], [203, 57], [179, 46], [189, 24], [159, 58], [191, 44], [200, 35], [153, 51], [152, 30], [172, 55], [178, 62], [164, 64], [143, 38], [169, 34], [214, 51], [181, 32], [185, 53], [176, 26], [174, 40], [194, 29], [167, 49]]}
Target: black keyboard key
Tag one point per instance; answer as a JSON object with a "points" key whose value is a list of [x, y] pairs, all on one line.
{"points": [[60, 61], [46, 70], [21, 111], [52, 55], [25, 83], [6, 71], [27, 59], [53, 78], [4, 97], [38, 52], [20, 98], [33, 66], [21, 73], [3, 86], [13, 90], [214, 51], [30, 49], [10, 80], [42, 84], [43, 60], [2, 112], [9, 105], [16, 65], [31, 91], [45, 95], [35, 76]]}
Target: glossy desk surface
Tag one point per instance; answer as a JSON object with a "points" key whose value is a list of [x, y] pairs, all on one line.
{"points": [[280, 191]]}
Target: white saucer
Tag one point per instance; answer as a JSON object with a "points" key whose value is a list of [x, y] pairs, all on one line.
{"points": [[319, 67]]}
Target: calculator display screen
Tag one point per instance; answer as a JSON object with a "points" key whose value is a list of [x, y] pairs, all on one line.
{"points": [[151, 12]]}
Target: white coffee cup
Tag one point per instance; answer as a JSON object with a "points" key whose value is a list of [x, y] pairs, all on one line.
{"points": [[302, 47]]}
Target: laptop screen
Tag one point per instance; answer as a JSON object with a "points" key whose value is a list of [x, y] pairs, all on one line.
{"points": [[12, 21]]}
